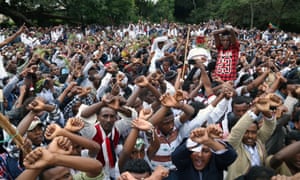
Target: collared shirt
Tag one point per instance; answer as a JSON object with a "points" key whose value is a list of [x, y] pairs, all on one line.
{"points": [[254, 155]]}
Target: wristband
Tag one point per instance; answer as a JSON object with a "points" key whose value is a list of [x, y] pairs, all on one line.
{"points": [[253, 116]]}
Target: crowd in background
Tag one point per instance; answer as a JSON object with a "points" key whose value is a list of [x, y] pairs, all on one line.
{"points": [[153, 101]]}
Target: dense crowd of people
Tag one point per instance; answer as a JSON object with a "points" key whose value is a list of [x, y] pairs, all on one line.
{"points": [[150, 101]]}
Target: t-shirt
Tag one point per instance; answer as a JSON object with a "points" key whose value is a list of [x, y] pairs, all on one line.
{"points": [[227, 62], [83, 176]]}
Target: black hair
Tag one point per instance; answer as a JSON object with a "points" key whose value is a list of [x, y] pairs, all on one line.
{"points": [[296, 116], [197, 105], [226, 33], [257, 173], [241, 100], [137, 166], [189, 79], [293, 135], [169, 113]]}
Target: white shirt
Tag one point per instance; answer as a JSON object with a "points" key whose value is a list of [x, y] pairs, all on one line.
{"points": [[253, 152]]}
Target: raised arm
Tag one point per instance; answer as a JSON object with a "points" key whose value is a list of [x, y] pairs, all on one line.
{"points": [[41, 158], [12, 37], [55, 130], [285, 154]]}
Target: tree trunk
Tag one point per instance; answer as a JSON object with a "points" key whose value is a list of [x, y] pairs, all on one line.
{"points": [[15, 15]]}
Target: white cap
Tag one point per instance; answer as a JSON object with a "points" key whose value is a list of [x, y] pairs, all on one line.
{"points": [[35, 123], [195, 52]]}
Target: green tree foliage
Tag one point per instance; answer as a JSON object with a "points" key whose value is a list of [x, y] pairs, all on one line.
{"points": [[163, 9], [243, 13], [43, 12]]}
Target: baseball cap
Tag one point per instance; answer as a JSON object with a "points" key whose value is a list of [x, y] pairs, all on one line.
{"points": [[35, 123]]}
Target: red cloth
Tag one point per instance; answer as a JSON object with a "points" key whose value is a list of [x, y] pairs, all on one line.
{"points": [[111, 144], [227, 62]]}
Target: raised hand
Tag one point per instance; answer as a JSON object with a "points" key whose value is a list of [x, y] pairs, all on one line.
{"points": [[141, 81], [262, 104], [38, 158], [60, 145], [115, 89], [200, 135], [52, 131], [168, 100], [37, 105], [120, 78], [214, 131], [275, 100], [126, 176], [71, 85], [74, 124], [145, 114], [227, 90], [142, 125], [112, 101], [159, 172], [180, 95], [84, 92]]}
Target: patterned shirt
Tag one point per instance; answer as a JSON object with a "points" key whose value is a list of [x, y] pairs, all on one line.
{"points": [[9, 167], [227, 62], [68, 112]]}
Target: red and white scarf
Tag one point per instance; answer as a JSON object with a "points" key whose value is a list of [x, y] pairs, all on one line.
{"points": [[108, 144]]}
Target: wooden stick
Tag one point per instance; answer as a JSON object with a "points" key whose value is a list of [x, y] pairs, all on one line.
{"points": [[8, 127], [185, 51]]}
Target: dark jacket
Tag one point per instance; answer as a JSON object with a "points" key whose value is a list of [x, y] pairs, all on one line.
{"points": [[213, 170]]}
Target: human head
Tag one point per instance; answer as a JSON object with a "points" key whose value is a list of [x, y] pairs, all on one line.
{"points": [[225, 40], [107, 118], [138, 168], [201, 157], [138, 151], [199, 54], [160, 44], [250, 135], [147, 96], [171, 76], [166, 64], [257, 173], [240, 105], [56, 173], [35, 132], [166, 126]]}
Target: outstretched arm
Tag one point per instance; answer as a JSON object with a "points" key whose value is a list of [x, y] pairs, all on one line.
{"points": [[12, 37]]}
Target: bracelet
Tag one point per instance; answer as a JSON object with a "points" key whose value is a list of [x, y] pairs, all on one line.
{"points": [[10, 138], [150, 133]]}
